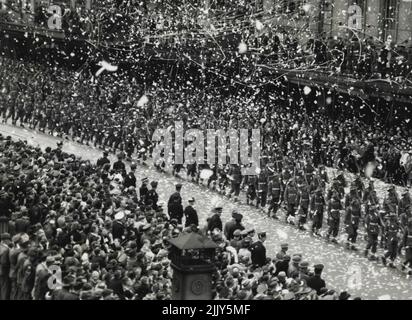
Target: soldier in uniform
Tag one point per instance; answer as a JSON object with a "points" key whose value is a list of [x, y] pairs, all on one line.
{"points": [[258, 251], [309, 170], [408, 248], [370, 194], [236, 181], [392, 234], [304, 201], [373, 225], [318, 204], [391, 202], [276, 191], [352, 219], [262, 191], [291, 200], [251, 192], [334, 211]]}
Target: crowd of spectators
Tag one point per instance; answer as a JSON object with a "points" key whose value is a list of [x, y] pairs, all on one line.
{"points": [[109, 240]]}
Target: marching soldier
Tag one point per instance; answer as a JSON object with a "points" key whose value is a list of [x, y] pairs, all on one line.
{"points": [[291, 200], [276, 191], [334, 211], [309, 171], [262, 189], [373, 225], [304, 201], [251, 192], [352, 219], [391, 202], [408, 248], [317, 208], [392, 234]]}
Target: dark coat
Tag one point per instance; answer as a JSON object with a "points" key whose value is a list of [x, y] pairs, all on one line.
{"points": [[102, 161], [174, 207], [118, 230], [258, 251], [215, 222], [316, 283], [191, 216], [230, 228], [130, 180]]}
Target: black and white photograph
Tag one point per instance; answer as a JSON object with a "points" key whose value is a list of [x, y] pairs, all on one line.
{"points": [[205, 154]]}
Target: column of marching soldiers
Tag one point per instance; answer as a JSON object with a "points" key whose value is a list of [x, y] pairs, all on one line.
{"points": [[306, 195]]}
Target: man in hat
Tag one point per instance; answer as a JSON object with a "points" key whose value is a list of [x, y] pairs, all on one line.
{"points": [[284, 247], [152, 197], [174, 205], [258, 251], [4, 266], [304, 271], [103, 160], [294, 264], [316, 282], [143, 190], [190, 213], [234, 224], [215, 222], [130, 178], [119, 165]]}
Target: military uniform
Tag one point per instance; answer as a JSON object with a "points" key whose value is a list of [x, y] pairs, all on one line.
{"points": [[304, 201], [352, 219], [373, 224], [276, 191], [392, 229], [262, 189], [317, 207], [334, 210], [291, 199]]}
